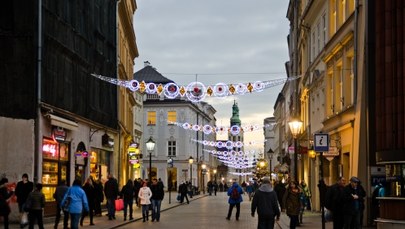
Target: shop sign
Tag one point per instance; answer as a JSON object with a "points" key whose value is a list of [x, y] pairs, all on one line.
{"points": [[59, 134], [50, 148]]}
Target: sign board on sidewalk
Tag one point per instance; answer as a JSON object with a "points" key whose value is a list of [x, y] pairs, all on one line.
{"points": [[321, 142]]}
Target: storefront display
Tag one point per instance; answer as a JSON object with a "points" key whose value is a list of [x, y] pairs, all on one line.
{"points": [[99, 163]]}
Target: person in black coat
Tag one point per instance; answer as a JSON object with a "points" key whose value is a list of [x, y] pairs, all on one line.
{"points": [[266, 203], [183, 192], [127, 192], [353, 196], [279, 188], [88, 188], [99, 197], [334, 202], [4, 207], [111, 193], [58, 196], [157, 196], [23, 189]]}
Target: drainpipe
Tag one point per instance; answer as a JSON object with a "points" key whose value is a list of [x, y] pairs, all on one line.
{"points": [[37, 126], [118, 91]]}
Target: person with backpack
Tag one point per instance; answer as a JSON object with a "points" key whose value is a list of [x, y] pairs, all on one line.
{"points": [[334, 202], [235, 198]]}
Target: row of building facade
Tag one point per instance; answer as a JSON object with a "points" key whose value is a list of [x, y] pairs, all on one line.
{"points": [[348, 57]]}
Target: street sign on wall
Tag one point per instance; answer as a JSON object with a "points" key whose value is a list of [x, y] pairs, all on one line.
{"points": [[321, 142]]}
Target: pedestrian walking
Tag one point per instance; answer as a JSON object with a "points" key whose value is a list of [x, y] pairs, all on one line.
{"points": [[111, 193], [379, 191], [183, 193], [127, 192], [144, 197], [77, 203], [36, 204], [334, 202], [98, 197], [250, 191], [58, 195], [4, 196], [279, 188], [22, 190], [352, 198], [266, 203], [137, 187], [157, 197], [292, 203], [235, 198], [88, 188]]}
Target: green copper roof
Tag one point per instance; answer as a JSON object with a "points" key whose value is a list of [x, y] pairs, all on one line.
{"points": [[235, 120]]}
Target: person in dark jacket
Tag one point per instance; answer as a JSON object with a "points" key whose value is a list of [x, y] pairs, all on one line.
{"points": [[4, 195], [279, 188], [111, 193], [292, 203], [156, 199], [353, 196], [266, 203], [183, 192], [234, 201], [58, 196], [98, 197], [88, 188], [23, 189], [334, 202], [127, 192], [37, 200], [137, 186]]}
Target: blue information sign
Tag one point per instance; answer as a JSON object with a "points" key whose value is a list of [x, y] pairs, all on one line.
{"points": [[321, 142]]}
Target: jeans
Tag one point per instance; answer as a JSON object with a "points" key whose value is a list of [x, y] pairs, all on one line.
{"points": [[156, 209], [74, 220], [293, 221], [352, 221], [111, 208], [231, 208], [65, 217], [145, 212], [35, 215], [265, 224], [128, 203]]}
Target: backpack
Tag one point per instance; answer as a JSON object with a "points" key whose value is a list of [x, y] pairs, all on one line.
{"points": [[235, 193]]}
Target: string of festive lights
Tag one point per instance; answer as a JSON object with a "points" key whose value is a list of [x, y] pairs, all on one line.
{"points": [[234, 130], [226, 144], [195, 91], [241, 174]]}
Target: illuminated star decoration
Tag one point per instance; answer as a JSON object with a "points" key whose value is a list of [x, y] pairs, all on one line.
{"points": [[234, 130], [195, 91]]}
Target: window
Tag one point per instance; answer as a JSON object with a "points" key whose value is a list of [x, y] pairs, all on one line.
{"points": [[151, 118], [171, 117], [171, 148]]}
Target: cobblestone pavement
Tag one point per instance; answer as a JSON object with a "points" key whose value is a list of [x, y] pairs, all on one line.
{"points": [[204, 212]]}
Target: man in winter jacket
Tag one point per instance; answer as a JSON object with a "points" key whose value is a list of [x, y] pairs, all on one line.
{"points": [[23, 189], [234, 199], [157, 197], [266, 203], [111, 193]]}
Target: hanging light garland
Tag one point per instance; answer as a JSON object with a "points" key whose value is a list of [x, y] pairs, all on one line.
{"points": [[241, 174], [234, 130], [195, 91], [226, 144]]}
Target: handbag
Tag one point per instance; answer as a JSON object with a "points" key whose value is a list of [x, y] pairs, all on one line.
{"points": [[68, 200], [28, 204], [119, 204]]}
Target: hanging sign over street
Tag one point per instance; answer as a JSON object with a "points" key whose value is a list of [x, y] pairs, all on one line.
{"points": [[321, 142]]}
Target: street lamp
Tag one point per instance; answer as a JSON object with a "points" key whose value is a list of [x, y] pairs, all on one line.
{"points": [[295, 127], [150, 146], [203, 167], [215, 175], [271, 153], [190, 161]]}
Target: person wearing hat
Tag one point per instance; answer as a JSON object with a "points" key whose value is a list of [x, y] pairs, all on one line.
{"points": [[353, 197], [266, 203]]}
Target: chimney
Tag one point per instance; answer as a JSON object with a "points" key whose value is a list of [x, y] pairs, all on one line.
{"points": [[146, 63]]}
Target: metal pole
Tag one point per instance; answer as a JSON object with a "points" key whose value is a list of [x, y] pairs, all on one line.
{"points": [[295, 159], [191, 175], [170, 185], [203, 183], [321, 189], [150, 166]]}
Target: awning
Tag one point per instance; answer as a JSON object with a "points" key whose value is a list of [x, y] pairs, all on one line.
{"points": [[62, 122], [395, 156]]}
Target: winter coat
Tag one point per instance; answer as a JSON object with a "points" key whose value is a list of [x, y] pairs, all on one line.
{"points": [[291, 202], [78, 200], [4, 195], [90, 194], [60, 192], [111, 189], [350, 205], [231, 200], [37, 199], [144, 195], [127, 192], [157, 192], [22, 191], [266, 203]]}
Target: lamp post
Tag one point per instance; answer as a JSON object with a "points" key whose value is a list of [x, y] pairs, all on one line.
{"points": [[190, 161], [150, 146], [215, 176], [295, 127], [203, 167], [270, 152], [169, 180]]}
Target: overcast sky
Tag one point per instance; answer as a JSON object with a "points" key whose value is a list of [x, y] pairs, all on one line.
{"points": [[229, 41]]}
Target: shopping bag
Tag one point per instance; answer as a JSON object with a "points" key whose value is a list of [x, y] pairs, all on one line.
{"points": [[119, 204], [24, 218]]}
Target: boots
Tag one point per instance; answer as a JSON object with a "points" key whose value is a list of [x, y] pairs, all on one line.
{"points": [[143, 217]]}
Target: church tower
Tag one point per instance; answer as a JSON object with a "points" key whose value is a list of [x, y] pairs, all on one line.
{"points": [[235, 121]]}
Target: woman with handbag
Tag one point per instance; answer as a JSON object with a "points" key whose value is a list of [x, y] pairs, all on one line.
{"points": [[74, 201], [88, 188]]}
